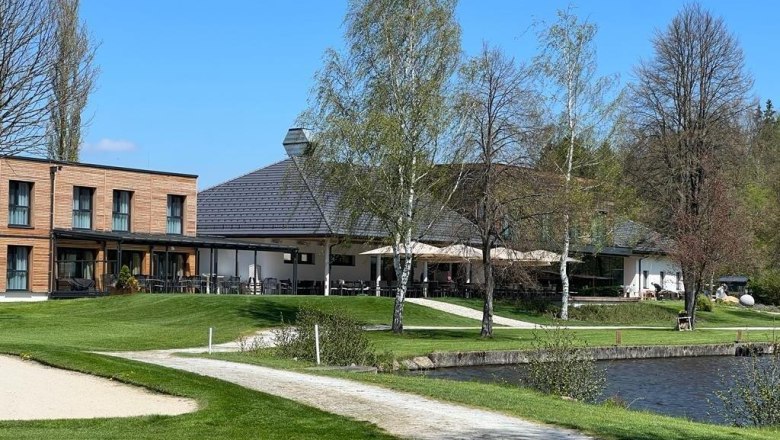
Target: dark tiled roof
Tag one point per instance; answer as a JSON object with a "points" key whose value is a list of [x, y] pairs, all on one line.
{"points": [[277, 201], [640, 238]]}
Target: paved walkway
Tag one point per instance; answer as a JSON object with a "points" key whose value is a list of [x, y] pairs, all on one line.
{"points": [[467, 312], [400, 414]]}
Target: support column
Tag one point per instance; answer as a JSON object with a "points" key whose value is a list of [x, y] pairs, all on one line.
{"points": [[378, 274], [167, 268], [425, 279], [468, 272], [326, 283], [254, 275], [295, 272], [211, 267]]}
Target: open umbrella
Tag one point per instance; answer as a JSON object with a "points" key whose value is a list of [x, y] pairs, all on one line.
{"points": [[416, 248]]}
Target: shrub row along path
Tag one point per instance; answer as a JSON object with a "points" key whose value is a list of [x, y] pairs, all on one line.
{"points": [[400, 414]]}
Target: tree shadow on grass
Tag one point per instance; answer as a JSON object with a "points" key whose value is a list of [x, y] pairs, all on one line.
{"points": [[267, 313]]}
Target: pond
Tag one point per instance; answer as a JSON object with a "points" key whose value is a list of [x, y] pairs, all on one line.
{"points": [[680, 387]]}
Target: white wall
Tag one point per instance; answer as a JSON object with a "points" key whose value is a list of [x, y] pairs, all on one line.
{"points": [[654, 265]]}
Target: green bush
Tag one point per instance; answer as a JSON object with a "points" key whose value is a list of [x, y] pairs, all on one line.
{"points": [[126, 280], [765, 287], [559, 366], [631, 313], [342, 339], [703, 303], [751, 394], [600, 291]]}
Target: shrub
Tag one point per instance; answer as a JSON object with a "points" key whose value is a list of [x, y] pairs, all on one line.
{"points": [[559, 366], [703, 303], [631, 313], [765, 287], [342, 340], [126, 280], [601, 291], [751, 394]]}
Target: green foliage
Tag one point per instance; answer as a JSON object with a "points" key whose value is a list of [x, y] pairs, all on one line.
{"points": [[560, 366], [631, 313], [765, 287], [342, 339], [600, 291], [127, 281], [703, 303], [751, 394]]}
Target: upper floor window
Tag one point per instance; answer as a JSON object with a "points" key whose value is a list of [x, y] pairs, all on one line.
{"points": [[303, 258], [19, 203], [17, 272], [82, 207], [175, 214], [121, 211]]}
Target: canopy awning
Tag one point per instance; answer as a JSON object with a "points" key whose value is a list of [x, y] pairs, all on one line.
{"points": [[416, 248]]}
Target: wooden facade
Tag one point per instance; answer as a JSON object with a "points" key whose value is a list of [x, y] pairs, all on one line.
{"points": [[52, 185]]}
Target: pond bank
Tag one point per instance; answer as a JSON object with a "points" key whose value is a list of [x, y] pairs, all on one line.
{"points": [[511, 357]]}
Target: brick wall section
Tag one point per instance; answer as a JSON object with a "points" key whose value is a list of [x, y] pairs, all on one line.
{"points": [[148, 207]]}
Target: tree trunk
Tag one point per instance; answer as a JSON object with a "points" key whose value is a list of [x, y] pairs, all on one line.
{"points": [[690, 296], [487, 309]]}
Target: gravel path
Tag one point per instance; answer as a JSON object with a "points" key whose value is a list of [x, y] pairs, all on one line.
{"points": [[400, 414]]}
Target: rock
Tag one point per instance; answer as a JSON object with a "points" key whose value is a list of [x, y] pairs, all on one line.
{"points": [[423, 363], [731, 299], [747, 300]]}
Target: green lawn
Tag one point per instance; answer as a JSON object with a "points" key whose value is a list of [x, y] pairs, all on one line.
{"points": [[646, 313], [143, 321], [60, 332]]}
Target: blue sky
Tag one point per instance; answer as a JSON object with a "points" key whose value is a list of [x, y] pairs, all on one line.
{"points": [[211, 88]]}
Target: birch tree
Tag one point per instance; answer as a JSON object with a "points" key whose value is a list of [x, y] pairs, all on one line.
{"points": [[72, 76], [380, 115], [498, 107], [587, 104]]}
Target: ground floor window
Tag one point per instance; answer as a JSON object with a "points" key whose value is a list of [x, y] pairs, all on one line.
{"points": [[17, 268], [76, 263], [175, 266], [132, 259]]}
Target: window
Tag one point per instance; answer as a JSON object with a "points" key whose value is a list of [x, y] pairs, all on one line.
{"points": [[175, 213], [132, 259], [303, 258], [17, 268], [121, 211], [342, 260], [82, 207], [19, 203], [75, 263]]}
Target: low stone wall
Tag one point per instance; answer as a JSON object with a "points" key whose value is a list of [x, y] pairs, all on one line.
{"points": [[510, 357]]}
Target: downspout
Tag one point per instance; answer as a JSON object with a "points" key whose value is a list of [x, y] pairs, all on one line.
{"points": [[52, 258]]}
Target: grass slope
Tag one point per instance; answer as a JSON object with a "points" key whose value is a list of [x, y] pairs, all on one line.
{"points": [[143, 321], [647, 313]]}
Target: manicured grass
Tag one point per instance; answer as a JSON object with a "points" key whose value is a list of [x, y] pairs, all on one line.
{"points": [[143, 321], [227, 411], [646, 313], [423, 342]]}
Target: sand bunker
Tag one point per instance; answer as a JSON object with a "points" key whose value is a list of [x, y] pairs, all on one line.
{"points": [[31, 391]]}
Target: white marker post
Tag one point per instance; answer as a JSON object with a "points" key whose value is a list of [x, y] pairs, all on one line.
{"points": [[317, 342], [211, 335]]}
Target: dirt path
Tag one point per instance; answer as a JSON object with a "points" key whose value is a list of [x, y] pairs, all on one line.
{"points": [[401, 414]]}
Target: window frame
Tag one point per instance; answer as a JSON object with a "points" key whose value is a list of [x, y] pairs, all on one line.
{"points": [[129, 212], [12, 205], [338, 260], [306, 258], [168, 217], [8, 269], [77, 190]]}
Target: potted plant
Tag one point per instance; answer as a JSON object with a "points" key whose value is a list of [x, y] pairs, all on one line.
{"points": [[126, 283]]}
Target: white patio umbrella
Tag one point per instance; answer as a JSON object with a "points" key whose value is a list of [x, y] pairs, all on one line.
{"points": [[531, 258], [416, 248], [548, 256], [460, 252]]}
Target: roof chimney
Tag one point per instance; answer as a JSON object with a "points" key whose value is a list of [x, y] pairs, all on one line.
{"points": [[297, 143]]}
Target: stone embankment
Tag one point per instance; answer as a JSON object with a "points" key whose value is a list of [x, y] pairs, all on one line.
{"points": [[511, 357]]}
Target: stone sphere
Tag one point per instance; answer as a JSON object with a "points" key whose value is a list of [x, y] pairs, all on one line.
{"points": [[747, 300]]}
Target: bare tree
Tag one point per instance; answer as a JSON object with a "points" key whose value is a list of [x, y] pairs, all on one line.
{"points": [[72, 77], [688, 102], [587, 103], [26, 43], [380, 116], [500, 116]]}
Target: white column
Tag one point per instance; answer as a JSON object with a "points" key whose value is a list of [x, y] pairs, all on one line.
{"points": [[378, 274], [326, 286], [468, 272], [425, 279]]}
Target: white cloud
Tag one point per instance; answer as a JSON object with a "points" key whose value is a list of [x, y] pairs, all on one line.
{"points": [[111, 146]]}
